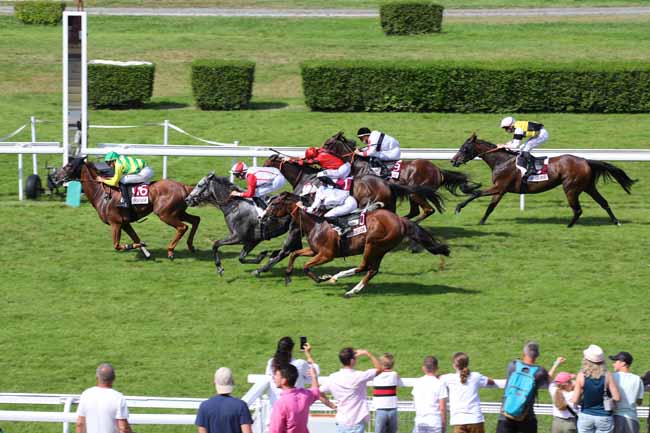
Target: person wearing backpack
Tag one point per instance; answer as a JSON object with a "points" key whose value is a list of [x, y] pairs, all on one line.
{"points": [[596, 387], [524, 378]]}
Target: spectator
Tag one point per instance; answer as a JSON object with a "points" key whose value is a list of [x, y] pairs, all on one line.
{"points": [[631, 388], [223, 413], [282, 358], [464, 402], [290, 414], [591, 384], [348, 386], [101, 408], [646, 382], [385, 396], [528, 423], [429, 395], [564, 410]]}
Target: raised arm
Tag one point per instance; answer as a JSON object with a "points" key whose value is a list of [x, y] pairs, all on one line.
{"points": [[551, 373], [314, 378], [375, 361]]}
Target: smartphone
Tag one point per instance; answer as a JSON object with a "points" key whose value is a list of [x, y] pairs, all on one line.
{"points": [[303, 341]]}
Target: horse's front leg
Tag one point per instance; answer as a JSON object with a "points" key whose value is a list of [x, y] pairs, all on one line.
{"points": [[137, 243], [494, 189], [231, 240], [308, 252], [320, 258], [247, 249], [495, 201]]}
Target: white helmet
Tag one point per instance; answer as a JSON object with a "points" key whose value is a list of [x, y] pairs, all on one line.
{"points": [[239, 168], [507, 122]]}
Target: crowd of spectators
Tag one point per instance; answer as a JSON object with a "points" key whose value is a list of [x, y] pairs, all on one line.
{"points": [[595, 400]]}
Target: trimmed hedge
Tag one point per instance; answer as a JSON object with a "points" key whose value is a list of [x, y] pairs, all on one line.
{"points": [[360, 86], [120, 86], [410, 18], [39, 12], [222, 84]]}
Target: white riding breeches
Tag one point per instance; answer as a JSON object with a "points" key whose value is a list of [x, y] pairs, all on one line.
{"points": [[388, 155], [142, 177], [339, 173], [267, 188], [535, 141], [349, 205]]}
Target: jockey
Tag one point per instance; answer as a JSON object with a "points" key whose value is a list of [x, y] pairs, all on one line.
{"points": [[535, 132], [335, 167], [261, 181], [380, 145], [338, 199], [128, 170]]}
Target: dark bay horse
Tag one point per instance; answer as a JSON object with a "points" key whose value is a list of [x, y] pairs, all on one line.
{"points": [[366, 189], [385, 231], [166, 199], [414, 173], [242, 220], [575, 174]]}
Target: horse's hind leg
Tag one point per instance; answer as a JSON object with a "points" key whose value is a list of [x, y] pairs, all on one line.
{"points": [[572, 197], [427, 210], [180, 227], [414, 209], [372, 257], [593, 192], [195, 221]]}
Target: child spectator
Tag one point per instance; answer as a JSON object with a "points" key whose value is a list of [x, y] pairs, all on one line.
{"points": [[564, 410], [429, 396], [385, 396], [464, 402]]}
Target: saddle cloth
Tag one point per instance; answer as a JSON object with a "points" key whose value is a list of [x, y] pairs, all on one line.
{"points": [[139, 193], [541, 168], [354, 223]]}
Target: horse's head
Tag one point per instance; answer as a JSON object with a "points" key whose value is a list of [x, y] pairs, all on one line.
{"points": [[70, 171], [212, 188], [274, 160], [339, 145], [281, 205], [201, 191], [467, 151]]}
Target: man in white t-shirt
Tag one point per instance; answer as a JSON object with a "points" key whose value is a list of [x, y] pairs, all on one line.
{"points": [[631, 389], [101, 408], [348, 386], [429, 395]]}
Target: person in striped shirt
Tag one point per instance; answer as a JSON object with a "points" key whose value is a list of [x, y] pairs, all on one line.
{"points": [[384, 396], [128, 170]]}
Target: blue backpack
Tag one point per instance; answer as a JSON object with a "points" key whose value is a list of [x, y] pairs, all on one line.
{"points": [[520, 391]]}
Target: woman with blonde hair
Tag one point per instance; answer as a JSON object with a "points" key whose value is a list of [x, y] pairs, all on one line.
{"points": [[596, 388], [464, 402]]}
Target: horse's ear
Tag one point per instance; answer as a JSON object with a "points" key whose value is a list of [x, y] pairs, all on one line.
{"points": [[339, 134], [212, 174], [473, 137]]}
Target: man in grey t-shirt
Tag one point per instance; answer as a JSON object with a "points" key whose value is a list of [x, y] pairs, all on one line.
{"points": [[631, 388]]}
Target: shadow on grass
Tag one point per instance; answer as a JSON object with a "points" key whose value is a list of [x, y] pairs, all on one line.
{"points": [[267, 105], [395, 289], [164, 105], [583, 221], [460, 232]]}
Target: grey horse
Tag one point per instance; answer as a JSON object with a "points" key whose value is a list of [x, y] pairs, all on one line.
{"points": [[241, 217]]}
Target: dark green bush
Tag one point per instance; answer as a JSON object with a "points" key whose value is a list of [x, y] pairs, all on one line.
{"points": [[222, 84], [410, 18], [390, 86], [119, 86], [39, 12]]}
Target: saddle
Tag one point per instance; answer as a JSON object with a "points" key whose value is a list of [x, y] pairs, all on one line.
{"points": [[354, 223], [533, 169], [381, 168], [104, 170]]}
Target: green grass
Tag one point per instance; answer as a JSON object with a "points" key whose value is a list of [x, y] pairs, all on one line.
{"points": [[70, 302]]}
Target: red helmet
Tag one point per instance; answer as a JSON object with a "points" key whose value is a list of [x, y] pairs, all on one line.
{"points": [[311, 153]]}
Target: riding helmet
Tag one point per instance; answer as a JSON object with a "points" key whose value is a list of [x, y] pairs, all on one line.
{"points": [[111, 156], [363, 131]]}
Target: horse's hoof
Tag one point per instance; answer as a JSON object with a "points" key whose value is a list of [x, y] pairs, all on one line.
{"points": [[256, 273], [332, 280], [287, 280], [191, 249], [171, 257], [457, 211], [220, 271], [348, 294]]}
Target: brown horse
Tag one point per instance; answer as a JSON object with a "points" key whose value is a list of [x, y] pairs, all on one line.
{"points": [[413, 173], [385, 231], [166, 199], [575, 174]]}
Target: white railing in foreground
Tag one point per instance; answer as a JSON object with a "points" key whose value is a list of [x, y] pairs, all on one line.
{"points": [[255, 398]]}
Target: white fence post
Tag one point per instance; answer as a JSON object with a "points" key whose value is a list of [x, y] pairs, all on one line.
{"points": [[34, 156], [66, 409], [20, 176], [522, 202], [165, 142]]}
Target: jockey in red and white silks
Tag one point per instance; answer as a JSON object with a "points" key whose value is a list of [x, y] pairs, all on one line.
{"points": [[261, 181]]}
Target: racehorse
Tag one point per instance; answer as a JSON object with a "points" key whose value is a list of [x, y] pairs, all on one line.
{"points": [[385, 231], [419, 172], [366, 189], [241, 218], [165, 200], [575, 174]]}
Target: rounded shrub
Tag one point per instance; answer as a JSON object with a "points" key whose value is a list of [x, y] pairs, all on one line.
{"points": [[39, 12], [410, 18], [119, 84], [222, 84]]}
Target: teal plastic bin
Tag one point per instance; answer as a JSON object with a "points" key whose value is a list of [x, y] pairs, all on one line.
{"points": [[73, 197]]}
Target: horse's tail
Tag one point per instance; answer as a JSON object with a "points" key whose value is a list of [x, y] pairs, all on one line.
{"points": [[452, 180], [421, 236], [431, 195], [608, 171]]}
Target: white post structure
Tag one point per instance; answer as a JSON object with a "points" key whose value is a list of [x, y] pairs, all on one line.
{"points": [[522, 202], [20, 176], [34, 156], [75, 80], [165, 142]]}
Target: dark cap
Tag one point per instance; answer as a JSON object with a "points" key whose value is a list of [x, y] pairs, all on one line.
{"points": [[363, 131], [622, 356]]}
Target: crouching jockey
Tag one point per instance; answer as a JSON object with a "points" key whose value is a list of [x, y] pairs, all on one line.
{"points": [[380, 146], [536, 134], [128, 170], [261, 181], [335, 167], [337, 199]]}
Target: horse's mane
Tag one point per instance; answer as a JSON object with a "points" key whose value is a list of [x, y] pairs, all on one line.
{"points": [[223, 181], [339, 144]]}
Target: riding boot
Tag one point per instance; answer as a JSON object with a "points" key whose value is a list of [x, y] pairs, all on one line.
{"points": [[260, 202], [326, 180], [125, 201]]}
